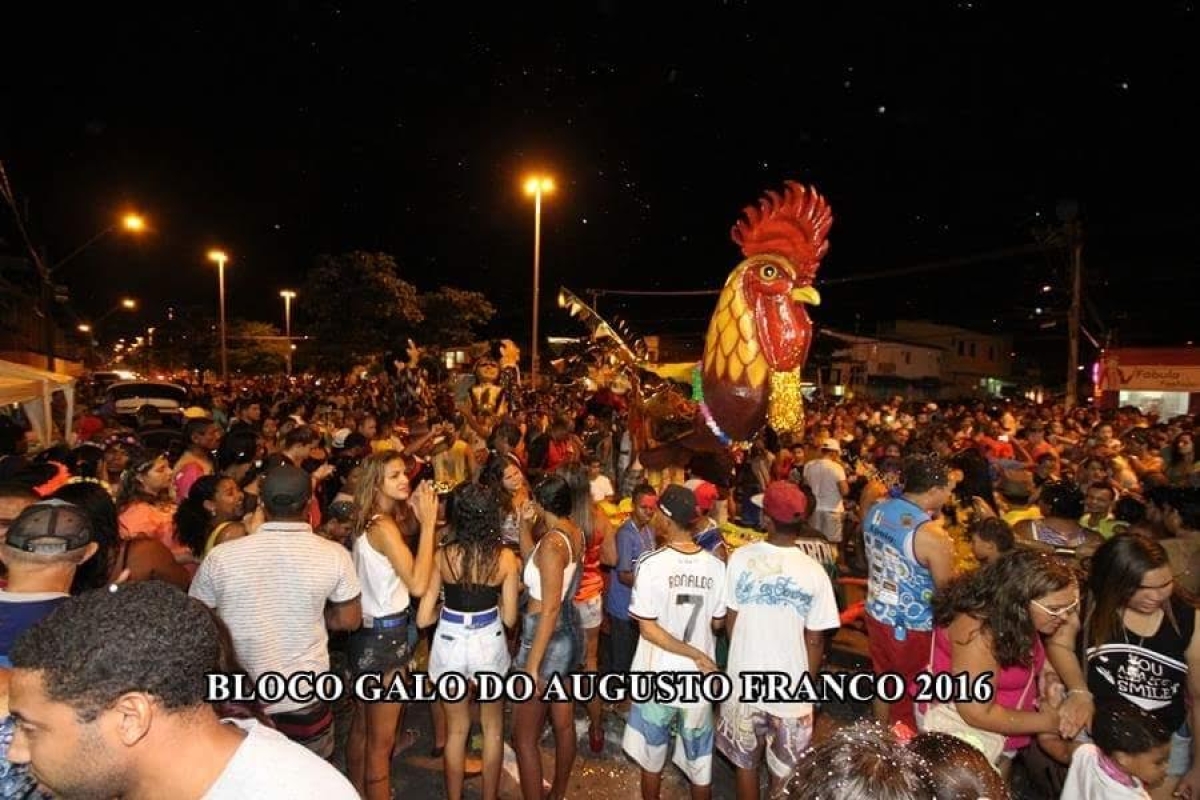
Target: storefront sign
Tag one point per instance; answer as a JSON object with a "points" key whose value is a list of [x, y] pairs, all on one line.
{"points": [[1119, 377]]}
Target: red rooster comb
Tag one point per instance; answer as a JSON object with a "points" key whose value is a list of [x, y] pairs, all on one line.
{"points": [[793, 225]]}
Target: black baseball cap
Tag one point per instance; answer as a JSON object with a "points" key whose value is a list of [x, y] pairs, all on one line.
{"points": [[50, 527], [678, 504], [286, 486]]}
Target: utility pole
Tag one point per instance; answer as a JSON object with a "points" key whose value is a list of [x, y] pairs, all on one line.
{"points": [[1068, 212], [47, 304]]}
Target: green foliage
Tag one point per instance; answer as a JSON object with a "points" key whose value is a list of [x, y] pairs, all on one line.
{"points": [[253, 350], [355, 305], [452, 317]]}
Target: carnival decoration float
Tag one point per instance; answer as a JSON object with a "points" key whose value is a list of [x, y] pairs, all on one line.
{"points": [[756, 345]]}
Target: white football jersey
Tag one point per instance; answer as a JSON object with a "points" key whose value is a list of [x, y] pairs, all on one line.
{"points": [[683, 593]]}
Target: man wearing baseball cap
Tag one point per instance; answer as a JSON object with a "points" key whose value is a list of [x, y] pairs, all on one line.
{"points": [[780, 602], [678, 595], [43, 548], [278, 591], [827, 479], [708, 532], [785, 511]]}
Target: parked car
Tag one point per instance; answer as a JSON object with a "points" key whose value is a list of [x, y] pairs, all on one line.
{"points": [[127, 398]]}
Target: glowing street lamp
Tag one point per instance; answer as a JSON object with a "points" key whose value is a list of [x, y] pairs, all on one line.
{"points": [[84, 328], [288, 296], [134, 223], [536, 186], [220, 258]]}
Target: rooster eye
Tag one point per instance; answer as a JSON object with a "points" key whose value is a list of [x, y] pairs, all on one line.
{"points": [[769, 272]]}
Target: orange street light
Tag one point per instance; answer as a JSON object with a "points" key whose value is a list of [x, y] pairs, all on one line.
{"points": [[134, 223], [220, 257], [83, 327], [536, 186], [288, 295]]}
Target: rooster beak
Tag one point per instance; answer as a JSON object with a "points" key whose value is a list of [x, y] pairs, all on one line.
{"points": [[806, 294]]}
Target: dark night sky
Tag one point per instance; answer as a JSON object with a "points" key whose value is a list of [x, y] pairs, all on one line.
{"points": [[937, 130]]}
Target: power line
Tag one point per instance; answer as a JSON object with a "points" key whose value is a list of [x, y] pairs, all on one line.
{"points": [[962, 261]]}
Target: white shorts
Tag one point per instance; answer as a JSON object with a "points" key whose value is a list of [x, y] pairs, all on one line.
{"points": [[468, 646], [648, 738], [829, 523], [591, 612]]}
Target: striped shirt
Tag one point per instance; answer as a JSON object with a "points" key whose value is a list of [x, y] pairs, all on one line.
{"points": [[271, 589]]}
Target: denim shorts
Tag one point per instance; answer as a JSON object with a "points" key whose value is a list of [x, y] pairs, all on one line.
{"points": [[380, 649], [468, 648], [1180, 760], [565, 648]]}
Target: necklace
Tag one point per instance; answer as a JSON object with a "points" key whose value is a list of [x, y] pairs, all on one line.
{"points": [[1141, 640]]}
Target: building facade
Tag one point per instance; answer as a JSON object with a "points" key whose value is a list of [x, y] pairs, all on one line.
{"points": [[973, 363], [864, 366]]}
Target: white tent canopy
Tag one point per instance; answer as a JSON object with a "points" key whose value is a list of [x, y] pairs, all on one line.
{"points": [[34, 389]]}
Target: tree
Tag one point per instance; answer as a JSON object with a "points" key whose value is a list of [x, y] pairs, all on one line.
{"points": [[356, 305], [188, 339], [452, 316], [256, 348]]}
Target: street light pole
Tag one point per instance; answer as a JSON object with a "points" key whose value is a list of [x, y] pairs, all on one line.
{"points": [[132, 223], [536, 185], [288, 295], [220, 257]]}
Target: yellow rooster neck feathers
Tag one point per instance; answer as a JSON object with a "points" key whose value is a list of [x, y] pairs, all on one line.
{"points": [[731, 349]]}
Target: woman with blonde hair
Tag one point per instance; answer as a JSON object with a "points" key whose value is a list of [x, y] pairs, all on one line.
{"points": [[390, 576]]}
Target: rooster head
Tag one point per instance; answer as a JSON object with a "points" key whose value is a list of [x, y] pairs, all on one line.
{"points": [[783, 240]]}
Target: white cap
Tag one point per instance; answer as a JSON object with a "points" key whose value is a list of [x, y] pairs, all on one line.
{"points": [[831, 444]]}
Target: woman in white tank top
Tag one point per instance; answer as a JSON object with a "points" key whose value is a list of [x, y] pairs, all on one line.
{"points": [[551, 639], [390, 576]]}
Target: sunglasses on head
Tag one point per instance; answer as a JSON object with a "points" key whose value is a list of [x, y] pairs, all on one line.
{"points": [[1061, 612]]}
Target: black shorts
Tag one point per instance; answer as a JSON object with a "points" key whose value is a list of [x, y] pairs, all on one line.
{"points": [[381, 649]]}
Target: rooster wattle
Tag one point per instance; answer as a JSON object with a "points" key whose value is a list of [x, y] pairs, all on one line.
{"points": [[759, 335]]}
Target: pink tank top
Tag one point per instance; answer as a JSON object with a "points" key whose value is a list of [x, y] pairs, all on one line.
{"points": [[1013, 688]]}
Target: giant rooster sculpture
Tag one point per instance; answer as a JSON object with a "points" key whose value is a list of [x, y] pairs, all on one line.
{"points": [[757, 340]]}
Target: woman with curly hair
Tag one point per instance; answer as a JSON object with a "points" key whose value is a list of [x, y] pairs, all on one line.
{"points": [[503, 474], [990, 625], [481, 581], [211, 514]]}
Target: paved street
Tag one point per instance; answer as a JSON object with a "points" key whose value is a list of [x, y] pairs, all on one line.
{"points": [[610, 774]]}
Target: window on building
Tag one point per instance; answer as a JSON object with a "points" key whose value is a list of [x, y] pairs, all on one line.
{"points": [[962, 347], [991, 353], [907, 357], [972, 349]]}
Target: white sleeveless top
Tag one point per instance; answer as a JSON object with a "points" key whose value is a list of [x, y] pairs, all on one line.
{"points": [[383, 593], [533, 576]]}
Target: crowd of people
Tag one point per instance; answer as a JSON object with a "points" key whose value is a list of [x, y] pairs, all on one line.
{"points": [[400, 521]]}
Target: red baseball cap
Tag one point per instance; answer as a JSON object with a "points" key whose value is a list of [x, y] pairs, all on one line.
{"points": [[706, 494], [783, 502]]}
